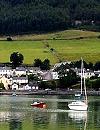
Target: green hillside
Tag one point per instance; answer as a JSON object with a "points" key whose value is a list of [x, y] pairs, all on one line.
{"points": [[54, 46]]}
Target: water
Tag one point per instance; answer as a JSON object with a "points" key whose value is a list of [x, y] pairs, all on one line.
{"points": [[17, 114]]}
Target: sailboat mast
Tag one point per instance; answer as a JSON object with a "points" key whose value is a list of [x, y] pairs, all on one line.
{"points": [[85, 86], [81, 73]]}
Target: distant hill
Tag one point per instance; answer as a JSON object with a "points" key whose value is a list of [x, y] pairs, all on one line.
{"points": [[27, 16], [58, 35]]}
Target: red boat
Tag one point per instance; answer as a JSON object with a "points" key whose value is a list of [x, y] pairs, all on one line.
{"points": [[39, 104]]}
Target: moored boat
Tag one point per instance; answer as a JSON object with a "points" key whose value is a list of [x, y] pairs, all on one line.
{"points": [[14, 94], [39, 104], [80, 103]]}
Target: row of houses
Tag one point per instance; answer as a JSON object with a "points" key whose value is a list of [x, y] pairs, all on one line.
{"points": [[18, 71], [18, 78]]}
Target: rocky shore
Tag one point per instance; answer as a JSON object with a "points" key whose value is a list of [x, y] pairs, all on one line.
{"points": [[49, 92]]}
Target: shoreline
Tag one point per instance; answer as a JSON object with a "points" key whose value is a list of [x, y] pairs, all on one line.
{"points": [[50, 92]]}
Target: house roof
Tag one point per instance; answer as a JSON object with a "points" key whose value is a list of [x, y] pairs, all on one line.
{"points": [[20, 78], [47, 76], [20, 69], [5, 68]]}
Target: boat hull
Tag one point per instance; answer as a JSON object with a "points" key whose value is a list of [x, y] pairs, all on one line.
{"points": [[39, 105], [79, 106]]}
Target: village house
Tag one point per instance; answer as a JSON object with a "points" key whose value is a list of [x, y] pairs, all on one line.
{"points": [[33, 70], [88, 73], [55, 75], [6, 81], [15, 86], [97, 73], [19, 71], [78, 22], [20, 80], [49, 75], [5, 71]]}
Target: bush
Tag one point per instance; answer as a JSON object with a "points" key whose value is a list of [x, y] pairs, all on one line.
{"points": [[98, 36], [2, 86], [9, 39]]}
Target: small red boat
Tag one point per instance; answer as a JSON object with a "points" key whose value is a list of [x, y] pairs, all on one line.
{"points": [[39, 104]]}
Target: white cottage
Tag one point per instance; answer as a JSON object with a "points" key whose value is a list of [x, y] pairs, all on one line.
{"points": [[19, 71], [14, 86], [20, 80], [5, 71], [6, 81]]}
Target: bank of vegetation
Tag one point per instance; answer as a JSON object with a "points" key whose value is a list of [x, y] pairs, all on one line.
{"points": [[27, 16]]}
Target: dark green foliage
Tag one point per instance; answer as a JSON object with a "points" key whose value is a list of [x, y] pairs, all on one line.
{"points": [[88, 84], [96, 84], [52, 49], [97, 65], [16, 59], [77, 64], [67, 77], [37, 63], [9, 39], [91, 66], [21, 16], [48, 84], [43, 85], [99, 36], [45, 65], [68, 80], [2, 86], [33, 77]]}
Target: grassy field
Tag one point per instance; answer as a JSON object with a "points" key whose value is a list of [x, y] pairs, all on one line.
{"points": [[87, 47]]}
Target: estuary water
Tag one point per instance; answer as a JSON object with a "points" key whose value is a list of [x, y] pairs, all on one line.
{"points": [[16, 113]]}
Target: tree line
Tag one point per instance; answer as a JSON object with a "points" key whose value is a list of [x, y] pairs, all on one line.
{"points": [[27, 16], [17, 59]]}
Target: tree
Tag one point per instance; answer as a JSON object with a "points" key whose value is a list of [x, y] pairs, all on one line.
{"points": [[78, 64], [96, 84], [33, 77], [9, 39], [67, 76], [97, 65], [16, 59], [91, 65], [37, 63], [45, 65]]}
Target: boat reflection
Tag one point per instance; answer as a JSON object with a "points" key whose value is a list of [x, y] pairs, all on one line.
{"points": [[77, 115]]}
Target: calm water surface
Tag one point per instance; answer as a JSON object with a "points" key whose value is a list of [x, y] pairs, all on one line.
{"points": [[17, 114]]}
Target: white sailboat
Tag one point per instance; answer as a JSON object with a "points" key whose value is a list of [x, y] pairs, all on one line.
{"points": [[80, 104]]}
